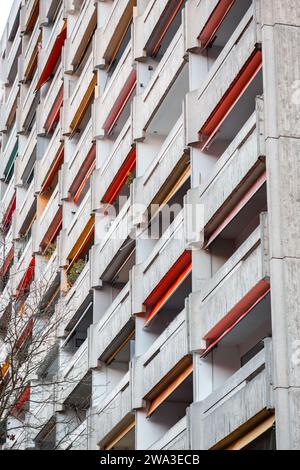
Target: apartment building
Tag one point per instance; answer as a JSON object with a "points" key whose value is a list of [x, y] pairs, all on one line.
{"points": [[177, 329]]}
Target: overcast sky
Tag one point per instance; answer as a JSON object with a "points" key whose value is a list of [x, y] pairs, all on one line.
{"points": [[4, 12]]}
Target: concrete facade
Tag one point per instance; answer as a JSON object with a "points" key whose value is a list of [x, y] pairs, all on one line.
{"points": [[149, 171]]}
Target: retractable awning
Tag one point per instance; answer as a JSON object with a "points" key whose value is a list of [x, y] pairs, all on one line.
{"points": [[120, 102], [169, 389], [83, 175], [55, 112], [234, 92], [53, 57], [120, 178], [214, 21], [10, 164], [27, 278], [168, 285], [53, 169], [162, 26], [9, 212], [7, 262]]}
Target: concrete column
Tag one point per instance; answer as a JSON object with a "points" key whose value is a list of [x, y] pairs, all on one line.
{"points": [[281, 62]]}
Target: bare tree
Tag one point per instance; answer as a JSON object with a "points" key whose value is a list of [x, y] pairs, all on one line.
{"points": [[30, 376]]}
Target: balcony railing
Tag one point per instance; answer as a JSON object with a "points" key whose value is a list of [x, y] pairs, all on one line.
{"points": [[115, 411], [103, 177], [234, 68], [112, 328], [170, 348], [245, 395], [75, 298], [105, 253], [25, 156], [242, 280], [162, 80], [80, 35], [107, 37], [122, 79], [177, 438], [164, 164]]}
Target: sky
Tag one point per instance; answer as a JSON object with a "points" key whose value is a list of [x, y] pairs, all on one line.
{"points": [[4, 12]]}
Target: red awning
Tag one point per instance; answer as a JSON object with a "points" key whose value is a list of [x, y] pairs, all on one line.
{"points": [[214, 22], [120, 178], [23, 399], [7, 262], [120, 102], [9, 212], [55, 112], [236, 314], [27, 278], [52, 230], [237, 88], [168, 285], [53, 57], [83, 174], [53, 169]]}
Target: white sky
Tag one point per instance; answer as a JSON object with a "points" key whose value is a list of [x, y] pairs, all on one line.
{"points": [[5, 7]]}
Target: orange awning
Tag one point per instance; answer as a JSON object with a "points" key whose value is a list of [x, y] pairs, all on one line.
{"points": [[157, 401], [53, 57]]}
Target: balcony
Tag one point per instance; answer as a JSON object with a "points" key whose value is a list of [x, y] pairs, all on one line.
{"points": [[234, 69], [21, 267], [236, 170], [42, 408], [107, 252], [167, 251], [244, 396], [116, 94], [27, 106], [77, 439], [72, 373], [80, 35], [31, 54], [72, 233], [75, 300], [242, 281], [149, 26], [31, 14], [46, 165], [177, 438], [44, 53], [103, 177], [9, 154], [168, 352], [108, 334], [8, 109], [24, 212], [77, 104], [48, 222], [167, 165], [161, 82], [109, 36], [25, 157], [73, 167], [9, 72], [115, 412], [7, 196], [47, 11], [52, 99]]}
